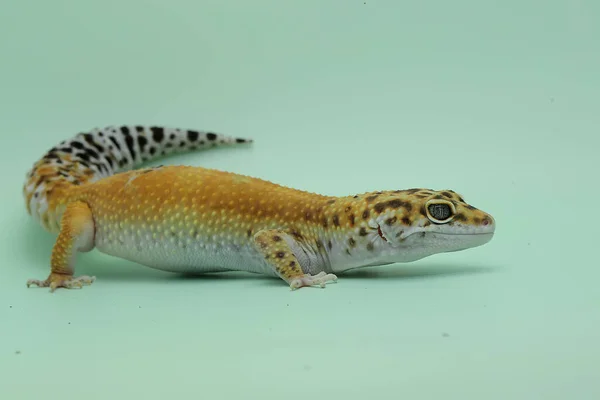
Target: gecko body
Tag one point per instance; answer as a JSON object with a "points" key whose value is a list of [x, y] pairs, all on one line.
{"points": [[196, 220]]}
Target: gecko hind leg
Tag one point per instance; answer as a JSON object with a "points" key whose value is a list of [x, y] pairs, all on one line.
{"points": [[76, 235], [274, 245]]}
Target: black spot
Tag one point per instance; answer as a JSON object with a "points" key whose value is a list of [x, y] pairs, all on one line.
{"points": [[406, 221], [391, 221], [447, 194], [116, 143], [324, 222], [351, 216], [372, 197], [193, 135], [460, 217], [280, 254], [202, 142], [292, 263], [139, 128], [125, 130], [379, 207], [83, 156], [211, 136], [67, 149], [470, 207], [348, 252], [352, 242], [77, 145], [365, 214], [396, 203], [370, 246], [331, 201], [336, 220], [277, 238], [329, 245], [129, 143], [152, 150], [142, 142], [240, 140], [90, 139], [92, 153], [362, 232], [249, 232], [182, 144], [158, 134], [110, 162]]}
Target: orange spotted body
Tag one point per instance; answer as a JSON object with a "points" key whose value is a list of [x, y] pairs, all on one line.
{"points": [[194, 220]]}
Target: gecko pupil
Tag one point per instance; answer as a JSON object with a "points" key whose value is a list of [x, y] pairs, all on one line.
{"points": [[440, 211]]}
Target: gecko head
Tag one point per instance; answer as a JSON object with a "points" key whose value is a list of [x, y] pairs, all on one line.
{"points": [[416, 223]]}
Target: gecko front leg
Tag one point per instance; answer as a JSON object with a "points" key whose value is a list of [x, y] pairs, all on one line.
{"points": [[76, 234], [274, 245]]}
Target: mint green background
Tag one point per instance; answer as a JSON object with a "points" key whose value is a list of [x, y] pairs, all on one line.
{"points": [[497, 100]]}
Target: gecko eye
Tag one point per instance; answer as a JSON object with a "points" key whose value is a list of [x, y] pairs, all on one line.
{"points": [[440, 211]]}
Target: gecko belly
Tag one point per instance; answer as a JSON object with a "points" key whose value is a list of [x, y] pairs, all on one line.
{"points": [[174, 252]]}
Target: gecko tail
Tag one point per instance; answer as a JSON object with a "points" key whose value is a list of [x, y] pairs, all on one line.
{"points": [[102, 152]]}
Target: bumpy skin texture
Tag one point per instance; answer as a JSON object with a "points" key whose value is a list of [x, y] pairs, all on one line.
{"points": [[194, 220]]}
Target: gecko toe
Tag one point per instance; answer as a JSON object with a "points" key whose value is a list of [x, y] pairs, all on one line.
{"points": [[55, 281], [321, 279]]}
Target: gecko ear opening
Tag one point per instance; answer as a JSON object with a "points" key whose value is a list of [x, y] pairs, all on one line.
{"points": [[440, 211]]}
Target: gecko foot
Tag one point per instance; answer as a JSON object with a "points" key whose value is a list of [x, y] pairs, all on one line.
{"points": [[55, 281], [320, 279]]}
